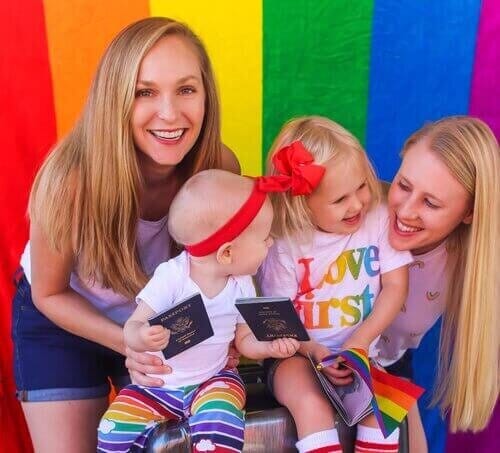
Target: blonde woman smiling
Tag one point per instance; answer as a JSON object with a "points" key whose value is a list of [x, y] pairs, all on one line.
{"points": [[444, 206], [98, 212]]}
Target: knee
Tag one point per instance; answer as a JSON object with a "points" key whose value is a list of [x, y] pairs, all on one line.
{"points": [[309, 399]]}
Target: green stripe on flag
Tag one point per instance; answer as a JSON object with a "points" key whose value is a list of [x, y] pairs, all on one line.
{"points": [[316, 61], [390, 423]]}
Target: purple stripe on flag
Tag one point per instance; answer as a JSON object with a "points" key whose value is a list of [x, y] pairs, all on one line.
{"points": [[485, 90]]}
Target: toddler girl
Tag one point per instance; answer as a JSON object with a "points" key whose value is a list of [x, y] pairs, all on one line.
{"points": [[332, 258]]}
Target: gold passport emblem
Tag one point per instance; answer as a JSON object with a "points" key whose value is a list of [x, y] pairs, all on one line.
{"points": [[277, 325], [181, 325]]}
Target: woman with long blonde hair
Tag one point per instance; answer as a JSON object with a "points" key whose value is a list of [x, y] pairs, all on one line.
{"points": [[444, 206], [98, 212]]}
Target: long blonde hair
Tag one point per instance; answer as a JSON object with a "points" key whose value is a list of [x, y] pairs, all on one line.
{"points": [[325, 140], [467, 385], [87, 192]]}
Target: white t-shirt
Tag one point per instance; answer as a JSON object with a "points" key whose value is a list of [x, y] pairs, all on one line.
{"points": [[171, 284], [335, 279], [424, 305]]}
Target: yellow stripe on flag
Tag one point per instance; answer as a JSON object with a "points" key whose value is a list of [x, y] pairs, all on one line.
{"points": [[392, 409], [232, 34]]}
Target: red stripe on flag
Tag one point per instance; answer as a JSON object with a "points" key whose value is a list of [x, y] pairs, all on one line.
{"points": [[402, 385], [28, 129], [397, 396]]}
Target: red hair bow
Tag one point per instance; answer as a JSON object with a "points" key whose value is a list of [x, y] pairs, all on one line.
{"points": [[296, 171]]}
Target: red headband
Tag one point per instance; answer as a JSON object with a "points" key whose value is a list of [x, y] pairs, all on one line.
{"points": [[296, 171]]}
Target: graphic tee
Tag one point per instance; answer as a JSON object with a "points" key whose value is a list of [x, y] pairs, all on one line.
{"points": [[335, 279]]}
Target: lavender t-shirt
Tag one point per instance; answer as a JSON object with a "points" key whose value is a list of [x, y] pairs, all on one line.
{"points": [[153, 242], [424, 305]]}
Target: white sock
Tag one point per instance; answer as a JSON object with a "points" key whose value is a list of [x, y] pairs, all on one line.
{"points": [[371, 437], [320, 439]]}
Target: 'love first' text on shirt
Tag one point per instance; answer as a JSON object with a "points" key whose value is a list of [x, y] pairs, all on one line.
{"points": [[353, 307]]}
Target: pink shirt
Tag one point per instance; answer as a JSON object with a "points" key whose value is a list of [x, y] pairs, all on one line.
{"points": [[424, 305], [153, 242]]}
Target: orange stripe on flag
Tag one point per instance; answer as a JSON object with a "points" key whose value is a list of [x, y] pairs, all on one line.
{"points": [[76, 42], [395, 395]]}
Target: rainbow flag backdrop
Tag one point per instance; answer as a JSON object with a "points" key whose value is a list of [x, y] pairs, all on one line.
{"points": [[379, 67]]}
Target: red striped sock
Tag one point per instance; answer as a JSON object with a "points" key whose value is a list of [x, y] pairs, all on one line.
{"points": [[327, 449], [375, 447], [371, 440], [320, 442]]}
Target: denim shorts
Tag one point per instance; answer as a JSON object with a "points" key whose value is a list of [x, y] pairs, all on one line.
{"points": [[403, 367], [270, 367], [51, 364]]}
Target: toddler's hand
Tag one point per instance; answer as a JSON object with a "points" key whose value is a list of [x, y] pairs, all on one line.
{"points": [[155, 338], [336, 373], [282, 348], [233, 356]]}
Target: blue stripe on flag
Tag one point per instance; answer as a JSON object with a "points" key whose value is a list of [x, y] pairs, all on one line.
{"points": [[421, 65]]}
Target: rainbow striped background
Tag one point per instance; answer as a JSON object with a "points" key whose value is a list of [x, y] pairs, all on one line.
{"points": [[379, 67]]}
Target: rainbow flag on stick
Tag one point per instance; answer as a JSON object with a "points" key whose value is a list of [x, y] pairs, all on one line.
{"points": [[392, 396]]}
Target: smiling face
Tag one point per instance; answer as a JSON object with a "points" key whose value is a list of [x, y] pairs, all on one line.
{"points": [[341, 201], [426, 203], [169, 106]]}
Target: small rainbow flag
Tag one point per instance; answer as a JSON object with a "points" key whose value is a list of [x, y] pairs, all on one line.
{"points": [[392, 396]]}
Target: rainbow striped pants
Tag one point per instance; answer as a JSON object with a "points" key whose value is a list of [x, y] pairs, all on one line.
{"points": [[214, 411]]}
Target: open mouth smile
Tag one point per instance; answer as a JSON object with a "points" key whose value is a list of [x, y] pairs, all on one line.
{"points": [[404, 228], [164, 136]]}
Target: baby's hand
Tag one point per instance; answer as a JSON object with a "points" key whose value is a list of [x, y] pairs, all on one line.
{"points": [[155, 338], [282, 348], [336, 373]]}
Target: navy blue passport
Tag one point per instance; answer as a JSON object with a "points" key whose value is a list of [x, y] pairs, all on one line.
{"points": [[272, 317], [188, 323]]}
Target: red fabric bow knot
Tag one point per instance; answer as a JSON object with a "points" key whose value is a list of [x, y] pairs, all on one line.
{"points": [[296, 171]]}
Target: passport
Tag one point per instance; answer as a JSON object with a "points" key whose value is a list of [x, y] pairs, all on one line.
{"points": [[353, 401], [270, 318], [188, 323]]}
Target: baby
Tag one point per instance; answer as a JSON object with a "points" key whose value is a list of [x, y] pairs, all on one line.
{"points": [[224, 221]]}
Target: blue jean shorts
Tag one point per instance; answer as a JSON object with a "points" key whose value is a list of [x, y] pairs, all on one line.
{"points": [[51, 364]]}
